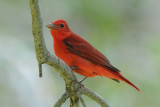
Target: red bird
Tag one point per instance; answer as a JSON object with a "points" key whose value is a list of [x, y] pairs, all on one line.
{"points": [[80, 55]]}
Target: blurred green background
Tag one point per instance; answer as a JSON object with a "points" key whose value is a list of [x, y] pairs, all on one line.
{"points": [[126, 31]]}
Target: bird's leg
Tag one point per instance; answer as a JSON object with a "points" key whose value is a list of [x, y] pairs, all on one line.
{"points": [[73, 69], [82, 80], [76, 68]]}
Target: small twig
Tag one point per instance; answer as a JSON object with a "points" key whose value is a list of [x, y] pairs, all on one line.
{"points": [[62, 99], [40, 69]]}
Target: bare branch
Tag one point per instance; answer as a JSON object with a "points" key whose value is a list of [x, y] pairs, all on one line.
{"points": [[82, 101], [74, 101], [86, 91], [61, 100], [43, 55]]}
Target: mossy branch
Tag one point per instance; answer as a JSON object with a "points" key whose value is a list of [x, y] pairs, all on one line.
{"points": [[74, 89]]}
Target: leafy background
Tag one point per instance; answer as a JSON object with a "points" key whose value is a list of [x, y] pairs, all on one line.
{"points": [[126, 31]]}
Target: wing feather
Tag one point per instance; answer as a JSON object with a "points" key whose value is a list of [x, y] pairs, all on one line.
{"points": [[80, 47]]}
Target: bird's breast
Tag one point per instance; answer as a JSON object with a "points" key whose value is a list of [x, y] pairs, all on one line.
{"points": [[62, 52]]}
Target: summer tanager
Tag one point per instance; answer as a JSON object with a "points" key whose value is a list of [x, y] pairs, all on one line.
{"points": [[81, 56]]}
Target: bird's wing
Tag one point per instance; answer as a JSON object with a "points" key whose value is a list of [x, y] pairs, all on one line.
{"points": [[80, 47]]}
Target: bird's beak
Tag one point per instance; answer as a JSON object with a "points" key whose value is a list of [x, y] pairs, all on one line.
{"points": [[52, 26]]}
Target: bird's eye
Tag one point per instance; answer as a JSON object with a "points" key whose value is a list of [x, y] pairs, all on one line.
{"points": [[62, 25]]}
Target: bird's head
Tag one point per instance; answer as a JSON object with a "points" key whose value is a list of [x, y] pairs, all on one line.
{"points": [[59, 25], [59, 29]]}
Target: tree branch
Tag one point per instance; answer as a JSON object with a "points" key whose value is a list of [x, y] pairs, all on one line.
{"points": [[43, 56], [86, 91], [82, 101], [61, 100]]}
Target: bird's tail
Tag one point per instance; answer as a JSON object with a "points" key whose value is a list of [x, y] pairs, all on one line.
{"points": [[118, 76], [122, 78]]}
